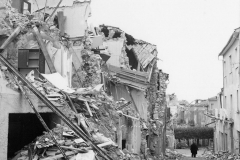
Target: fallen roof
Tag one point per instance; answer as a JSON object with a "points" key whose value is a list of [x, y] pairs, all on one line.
{"points": [[135, 79], [230, 42], [145, 52]]}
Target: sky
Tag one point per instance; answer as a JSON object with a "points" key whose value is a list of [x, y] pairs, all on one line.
{"points": [[189, 35]]}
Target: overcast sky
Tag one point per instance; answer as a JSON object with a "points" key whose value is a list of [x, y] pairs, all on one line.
{"points": [[189, 35]]}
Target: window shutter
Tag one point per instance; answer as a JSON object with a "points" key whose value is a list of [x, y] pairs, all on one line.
{"points": [[23, 58]]}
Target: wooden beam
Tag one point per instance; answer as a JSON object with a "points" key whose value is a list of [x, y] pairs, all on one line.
{"points": [[130, 94], [150, 69], [54, 10], [44, 50], [11, 37], [88, 108], [61, 20]]}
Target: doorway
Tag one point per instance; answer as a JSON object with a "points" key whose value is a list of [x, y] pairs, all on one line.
{"points": [[25, 127]]}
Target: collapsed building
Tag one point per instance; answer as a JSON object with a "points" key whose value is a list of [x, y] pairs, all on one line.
{"points": [[76, 91]]}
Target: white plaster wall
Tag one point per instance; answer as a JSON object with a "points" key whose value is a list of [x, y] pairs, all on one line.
{"points": [[76, 18], [115, 49], [12, 102], [62, 60], [231, 86], [2, 10]]}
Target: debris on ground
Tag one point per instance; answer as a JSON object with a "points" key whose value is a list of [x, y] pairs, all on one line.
{"points": [[88, 106], [220, 155], [172, 154]]}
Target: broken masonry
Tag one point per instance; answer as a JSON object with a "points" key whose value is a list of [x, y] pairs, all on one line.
{"points": [[105, 87]]}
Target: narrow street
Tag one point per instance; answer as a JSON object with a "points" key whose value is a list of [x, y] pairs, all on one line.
{"points": [[186, 152]]}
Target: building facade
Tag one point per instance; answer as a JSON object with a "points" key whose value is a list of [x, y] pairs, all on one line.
{"points": [[227, 112]]}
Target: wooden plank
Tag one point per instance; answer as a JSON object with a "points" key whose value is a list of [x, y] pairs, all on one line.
{"points": [[148, 59], [132, 79], [61, 20], [23, 58], [44, 50], [88, 108], [122, 70], [54, 10], [11, 37], [134, 85], [41, 63]]}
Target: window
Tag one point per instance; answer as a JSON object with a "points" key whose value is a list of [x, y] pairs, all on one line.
{"points": [[224, 69], [225, 73], [239, 141], [225, 142], [230, 64], [31, 59], [236, 57], [237, 101], [230, 70], [225, 102], [231, 105], [21, 5]]}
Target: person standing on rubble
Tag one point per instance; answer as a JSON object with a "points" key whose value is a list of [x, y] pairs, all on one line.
{"points": [[194, 149]]}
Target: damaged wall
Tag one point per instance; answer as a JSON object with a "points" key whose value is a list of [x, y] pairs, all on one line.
{"points": [[134, 130], [115, 49], [76, 18], [12, 102], [62, 60]]}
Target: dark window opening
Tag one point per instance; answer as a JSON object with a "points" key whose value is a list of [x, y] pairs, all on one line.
{"points": [[133, 62], [25, 128], [130, 39], [124, 143], [117, 34], [31, 59], [21, 5], [147, 139]]}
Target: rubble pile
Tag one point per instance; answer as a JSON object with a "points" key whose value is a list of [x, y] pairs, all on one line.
{"points": [[220, 155], [173, 155], [89, 106], [101, 118], [91, 69]]}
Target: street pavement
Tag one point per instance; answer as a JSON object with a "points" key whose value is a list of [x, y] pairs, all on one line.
{"points": [[187, 154]]}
